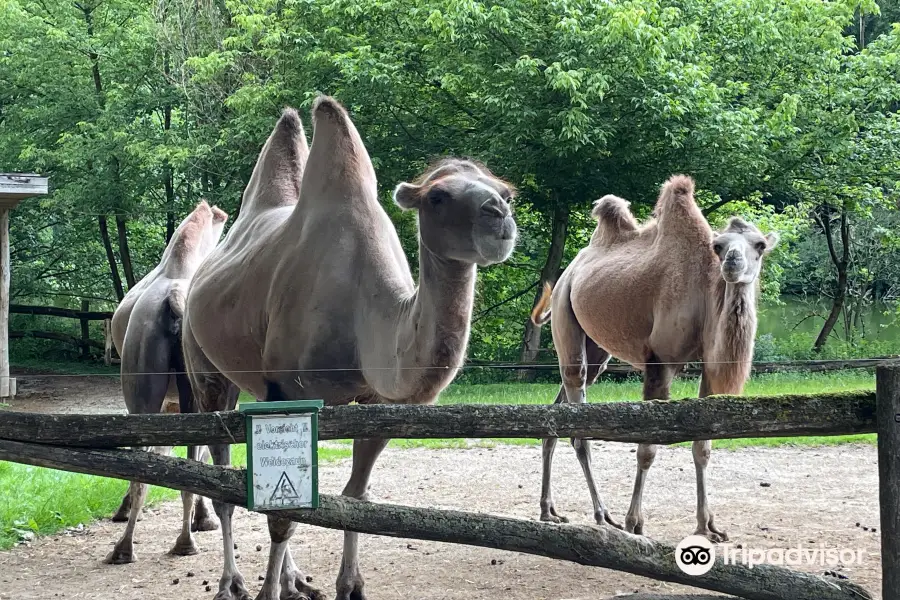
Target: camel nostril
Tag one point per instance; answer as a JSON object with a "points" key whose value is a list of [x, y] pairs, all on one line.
{"points": [[494, 209]]}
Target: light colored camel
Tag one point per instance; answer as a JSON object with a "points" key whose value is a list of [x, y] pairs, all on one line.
{"points": [[656, 296], [146, 332], [310, 296]]}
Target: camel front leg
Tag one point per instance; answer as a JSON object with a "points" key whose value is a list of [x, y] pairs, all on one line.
{"points": [[701, 450], [282, 575], [350, 582], [657, 381]]}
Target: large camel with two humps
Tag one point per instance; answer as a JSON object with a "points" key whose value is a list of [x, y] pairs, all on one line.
{"points": [[310, 296], [146, 331], [657, 296]]}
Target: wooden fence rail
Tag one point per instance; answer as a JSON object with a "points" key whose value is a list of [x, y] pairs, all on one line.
{"points": [[600, 547], [89, 444], [664, 422]]}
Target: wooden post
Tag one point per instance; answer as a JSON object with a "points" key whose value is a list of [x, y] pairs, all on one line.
{"points": [[85, 330], [887, 385], [4, 303]]}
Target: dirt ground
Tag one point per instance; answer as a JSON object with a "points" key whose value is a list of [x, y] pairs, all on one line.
{"points": [[763, 497]]}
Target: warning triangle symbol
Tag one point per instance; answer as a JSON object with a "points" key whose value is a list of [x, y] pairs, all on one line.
{"points": [[285, 492]]}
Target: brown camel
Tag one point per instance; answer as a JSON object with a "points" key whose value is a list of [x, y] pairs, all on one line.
{"points": [[656, 296], [146, 332], [310, 296]]}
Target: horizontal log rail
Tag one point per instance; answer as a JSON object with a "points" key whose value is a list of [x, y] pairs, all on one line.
{"points": [[56, 336], [599, 547], [54, 311], [664, 422]]}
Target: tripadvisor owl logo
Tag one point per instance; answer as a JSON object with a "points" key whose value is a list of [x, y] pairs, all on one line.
{"points": [[695, 555]]}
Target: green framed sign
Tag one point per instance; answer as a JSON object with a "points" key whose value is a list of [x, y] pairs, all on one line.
{"points": [[282, 454]]}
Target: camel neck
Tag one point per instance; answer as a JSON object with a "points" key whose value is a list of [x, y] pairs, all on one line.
{"points": [[433, 328], [733, 332]]}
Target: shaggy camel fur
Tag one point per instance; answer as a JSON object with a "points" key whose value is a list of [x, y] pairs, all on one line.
{"points": [[310, 296], [657, 296], [146, 332]]}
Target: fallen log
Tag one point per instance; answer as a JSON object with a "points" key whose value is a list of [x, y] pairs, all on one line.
{"points": [[663, 422], [599, 547]]}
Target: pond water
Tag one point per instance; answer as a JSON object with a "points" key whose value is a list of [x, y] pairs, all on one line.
{"points": [[806, 316]]}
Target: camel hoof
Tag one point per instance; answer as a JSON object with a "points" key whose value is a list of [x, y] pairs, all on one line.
{"points": [[120, 556], [554, 518], [205, 524], [120, 517], [296, 588], [602, 517], [233, 590], [636, 527], [184, 547], [716, 537], [351, 589]]}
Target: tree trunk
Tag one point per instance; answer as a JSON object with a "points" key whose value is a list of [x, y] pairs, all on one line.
{"points": [[111, 258], [841, 264], [531, 340], [124, 251], [168, 183]]}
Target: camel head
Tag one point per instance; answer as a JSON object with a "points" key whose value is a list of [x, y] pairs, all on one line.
{"points": [[464, 212], [740, 248]]}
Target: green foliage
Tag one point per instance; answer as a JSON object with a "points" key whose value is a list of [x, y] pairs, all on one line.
{"points": [[137, 110]]}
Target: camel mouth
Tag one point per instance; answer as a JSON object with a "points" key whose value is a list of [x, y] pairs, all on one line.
{"points": [[732, 275]]}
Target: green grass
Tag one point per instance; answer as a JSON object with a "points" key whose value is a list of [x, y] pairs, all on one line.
{"points": [[42, 501], [630, 390]]}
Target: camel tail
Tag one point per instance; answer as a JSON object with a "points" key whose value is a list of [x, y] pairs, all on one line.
{"points": [[541, 312], [177, 301]]}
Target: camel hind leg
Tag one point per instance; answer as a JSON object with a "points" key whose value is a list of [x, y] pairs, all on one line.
{"points": [[143, 394], [581, 363]]}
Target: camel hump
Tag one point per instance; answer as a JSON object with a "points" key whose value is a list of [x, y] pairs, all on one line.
{"points": [[219, 215], [614, 220], [339, 164], [676, 208], [278, 173], [679, 186]]}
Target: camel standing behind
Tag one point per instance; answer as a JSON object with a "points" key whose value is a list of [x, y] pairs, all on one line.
{"points": [[657, 296], [146, 332], [311, 296]]}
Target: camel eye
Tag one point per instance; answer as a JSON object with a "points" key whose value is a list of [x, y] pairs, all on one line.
{"points": [[717, 248], [760, 247], [438, 196]]}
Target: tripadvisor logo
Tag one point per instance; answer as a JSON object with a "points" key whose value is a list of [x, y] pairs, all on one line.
{"points": [[695, 555]]}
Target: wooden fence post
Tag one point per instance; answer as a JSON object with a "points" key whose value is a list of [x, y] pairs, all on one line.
{"points": [[85, 330], [887, 386]]}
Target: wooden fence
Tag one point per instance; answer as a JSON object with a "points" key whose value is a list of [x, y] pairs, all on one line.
{"points": [[93, 444], [84, 317]]}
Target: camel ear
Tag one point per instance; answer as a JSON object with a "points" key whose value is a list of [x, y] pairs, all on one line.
{"points": [[407, 195], [771, 241]]}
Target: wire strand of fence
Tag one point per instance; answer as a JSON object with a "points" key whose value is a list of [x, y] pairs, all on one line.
{"points": [[498, 365]]}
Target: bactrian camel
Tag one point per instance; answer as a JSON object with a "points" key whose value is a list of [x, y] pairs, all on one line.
{"points": [[310, 296], [146, 332], [657, 296]]}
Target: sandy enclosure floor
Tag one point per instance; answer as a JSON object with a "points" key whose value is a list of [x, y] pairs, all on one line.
{"points": [[813, 497]]}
